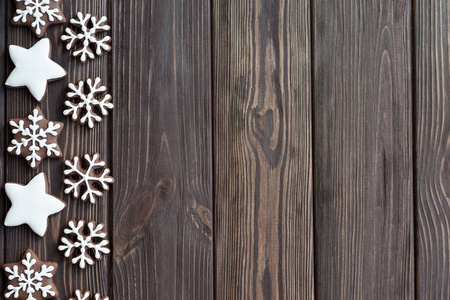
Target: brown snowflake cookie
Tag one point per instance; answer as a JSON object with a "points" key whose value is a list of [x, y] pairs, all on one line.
{"points": [[83, 110], [84, 295], [35, 138], [38, 14], [90, 26], [30, 278], [93, 239], [88, 179]]}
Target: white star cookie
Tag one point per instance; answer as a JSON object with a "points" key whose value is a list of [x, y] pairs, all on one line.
{"points": [[31, 204], [34, 68]]}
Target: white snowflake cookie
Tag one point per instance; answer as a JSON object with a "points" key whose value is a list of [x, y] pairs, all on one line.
{"points": [[87, 181], [33, 68], [83, 110], [38, 14], [35, 138], [30, 278], [94, 241], [31, 204], [90, 26], [85, 295]]}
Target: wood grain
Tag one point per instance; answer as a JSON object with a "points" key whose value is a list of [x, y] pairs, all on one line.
{"points": [[262, 143], [161, 149], [234, 121], [432, 158], [75, 140], [363, 150]]}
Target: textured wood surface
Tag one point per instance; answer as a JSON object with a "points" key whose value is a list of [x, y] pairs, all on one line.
{"points": [[261, 149], [432, 158], [161, 149], [262, 143], [363, 183]]}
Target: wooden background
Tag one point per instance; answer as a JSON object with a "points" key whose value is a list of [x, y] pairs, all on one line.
{"points": [[289, 149]]}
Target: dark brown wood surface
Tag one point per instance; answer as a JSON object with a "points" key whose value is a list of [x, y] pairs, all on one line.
{"points": [[432, 158], [363, 183], [161, 150], [261, 149], [262, 143]]}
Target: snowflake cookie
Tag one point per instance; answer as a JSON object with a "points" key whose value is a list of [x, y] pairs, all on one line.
{"points": [[34, 68], [87, 36], [38, 14], [31, 278], [84, 295], [88, 102], [93, 240], [90, 179], [35, 137], [31, 204]]}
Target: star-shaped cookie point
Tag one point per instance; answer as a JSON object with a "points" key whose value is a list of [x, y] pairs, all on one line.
{"points": [[38, 14], [30, 278], [34, 68], [31, 204], [35, 138]]}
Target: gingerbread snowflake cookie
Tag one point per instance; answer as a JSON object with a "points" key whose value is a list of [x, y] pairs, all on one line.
{"points": [[85, 295], [93, 240], [87, 180], [90, 26], [35, 138], [31, 204], [30, 278], [34, 68], [38, 14], [83, 110]]}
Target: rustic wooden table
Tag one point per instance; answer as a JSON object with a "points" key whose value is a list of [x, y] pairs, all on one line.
{"points": [[262, 149]]}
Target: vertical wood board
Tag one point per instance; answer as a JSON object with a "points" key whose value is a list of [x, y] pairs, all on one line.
{"points": [[363, 200], [262, 145], [161, 149], [432, 158]]}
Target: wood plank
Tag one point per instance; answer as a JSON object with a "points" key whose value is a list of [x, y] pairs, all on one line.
{"points": [[432, 159], [162, 200], [363, 150], [262, 142], [75, 140]]}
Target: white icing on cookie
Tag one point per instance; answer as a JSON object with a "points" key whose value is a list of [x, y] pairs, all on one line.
{"points": [[39, 13], [87, 36], [81, 295], [33, 138], [95, 241], [95, 176], [83, 110], [31, 279], [33, 68], [31, 204], [84, 295]]}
